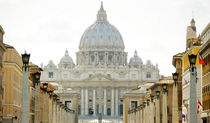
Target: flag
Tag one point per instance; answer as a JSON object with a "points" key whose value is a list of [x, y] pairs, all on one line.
{"points": [[201, 61], [199, 106]]}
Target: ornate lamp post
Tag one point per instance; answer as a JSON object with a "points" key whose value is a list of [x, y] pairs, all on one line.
{"points": [[45, 117], [36, 77], [157, 107], [152, 115], [175, 113], [193, 96], [50, 92], [25, 90], [164, 104]]}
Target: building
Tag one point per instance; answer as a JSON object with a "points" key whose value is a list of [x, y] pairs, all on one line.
{"points": [[2, 50], [192, 47], [144, 105], [177, 63], [205, 54], [70, 99], [12, 84], [101, 73]]}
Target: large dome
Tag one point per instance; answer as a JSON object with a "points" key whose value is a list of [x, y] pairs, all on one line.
{"points": [[101, 34]]}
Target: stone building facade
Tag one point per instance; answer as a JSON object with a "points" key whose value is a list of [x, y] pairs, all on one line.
{"points": [[205, 54], [2, 50], [12, 84], [101, 73]]}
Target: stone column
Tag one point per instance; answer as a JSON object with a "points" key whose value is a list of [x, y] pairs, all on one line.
{"points": [[94, 101], [116, 102], [86, 101], [45, 114], [37, 103], [140, 116], [144, 114], [54, 112], [193, 96], [157, 110], [137, 116], [175, 115], [60, 114], [50, 110], [57, 112], [152, 112], [82, 102], [112, 105], [105, 102], [25, 98], [164, 108]]}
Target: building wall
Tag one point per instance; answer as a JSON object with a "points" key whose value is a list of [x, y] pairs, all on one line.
{"points": [[205, 54], [12, 83], [2, 50]]}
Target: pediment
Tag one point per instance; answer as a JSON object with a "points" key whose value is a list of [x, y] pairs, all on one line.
{"points": [[99, 77]]}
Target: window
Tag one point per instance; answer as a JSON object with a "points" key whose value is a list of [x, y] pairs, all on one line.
{"points": [[148, 75], [101, 58], [121, 109], [108, 111], [108, 100], [109, 75], [79, 111], [108, 93], [50, 75], [90, 100], [109, 59], [90, 93], [121, 92], [92, 58]]}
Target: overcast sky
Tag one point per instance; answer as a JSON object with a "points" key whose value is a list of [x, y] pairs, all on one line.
{"points": [[155, 28]]}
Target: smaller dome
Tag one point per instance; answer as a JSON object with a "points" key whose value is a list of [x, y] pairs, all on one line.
{"points": [[135, 59], [66, 58]]}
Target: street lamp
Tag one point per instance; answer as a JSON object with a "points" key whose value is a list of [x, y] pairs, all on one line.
{"points": [[175, 112], [45, 85], [50, 92], [193, 95], [164, 87], [25, 89], [152, 98], [175, 77], [45, 117], [25, 59], [157, 94], [192, 59], [36, 78]]}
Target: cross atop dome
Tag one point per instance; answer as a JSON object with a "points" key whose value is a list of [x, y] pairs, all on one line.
{"points": [[101, 16]]}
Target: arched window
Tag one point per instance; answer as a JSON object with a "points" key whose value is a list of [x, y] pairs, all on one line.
{"points": [[109, 59], [92, 58], [101, 58], [148, 75]]}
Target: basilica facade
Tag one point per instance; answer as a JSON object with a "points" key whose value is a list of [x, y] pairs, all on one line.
{"points": [[102, 72]]}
